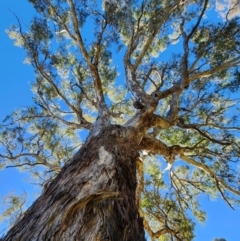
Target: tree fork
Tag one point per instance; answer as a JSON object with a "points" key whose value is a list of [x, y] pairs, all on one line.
{"points": [[92, 198]]}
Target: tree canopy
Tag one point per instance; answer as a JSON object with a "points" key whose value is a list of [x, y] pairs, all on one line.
{"points": [[112, 62]]}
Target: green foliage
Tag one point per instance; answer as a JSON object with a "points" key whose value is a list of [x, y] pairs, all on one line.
{"points": [[13, 206], [14, 34], [167, 199]]}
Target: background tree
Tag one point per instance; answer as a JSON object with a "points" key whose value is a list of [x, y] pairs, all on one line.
{"points": [[154, 85]]}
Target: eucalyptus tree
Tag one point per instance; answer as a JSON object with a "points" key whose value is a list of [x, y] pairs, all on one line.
{"points": [[154, 86]]}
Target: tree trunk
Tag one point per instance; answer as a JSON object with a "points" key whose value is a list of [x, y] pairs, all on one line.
{"points": [[92, 198]]}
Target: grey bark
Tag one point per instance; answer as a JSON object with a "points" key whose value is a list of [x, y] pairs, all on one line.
{"points": [[92, 198]]}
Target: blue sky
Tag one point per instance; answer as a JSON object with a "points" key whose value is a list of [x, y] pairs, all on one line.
{"points": [[15, 93]]}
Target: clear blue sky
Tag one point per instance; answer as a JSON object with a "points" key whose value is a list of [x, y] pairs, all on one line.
{"points": [[15, 93]]}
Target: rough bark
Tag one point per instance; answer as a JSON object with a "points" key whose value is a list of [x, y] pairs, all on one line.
{"points": [[92, 198]]}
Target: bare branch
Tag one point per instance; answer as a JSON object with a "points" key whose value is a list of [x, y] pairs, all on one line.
{"points": [[222, 127], [25, 164], [222, 194], [147, 76], [133, 85], [193, 183], [84, 93], [40, 161], [51, 82]]}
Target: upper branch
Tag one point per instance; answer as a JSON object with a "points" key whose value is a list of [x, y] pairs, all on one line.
{"points": [[78, 35], [163, 94], [133, 85], [186, 37], [149, 41], [61, 21], [190, 35], [103, 111], [174, 107], [99, 42], [223, 66]]}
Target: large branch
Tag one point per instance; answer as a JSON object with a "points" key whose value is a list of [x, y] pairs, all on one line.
{"points": [[207, 73], [133, 85], [190, 35], [61, 21], [163, 94], [177, 89], [174, 107], [154, 33], [99, 42], [140, 184], [78, 34], [103, 110], [159, 122], [135, 88], [154, 146], [186, 78], [186, 37]]}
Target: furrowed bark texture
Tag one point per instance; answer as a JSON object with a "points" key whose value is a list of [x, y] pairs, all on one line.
{"points": [[92, 198]]}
